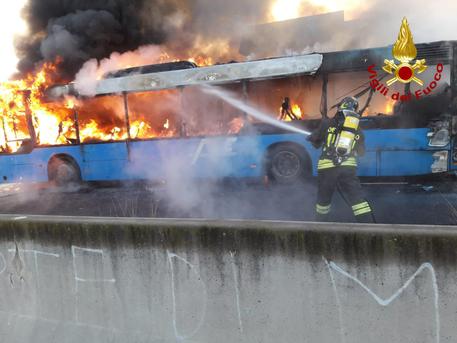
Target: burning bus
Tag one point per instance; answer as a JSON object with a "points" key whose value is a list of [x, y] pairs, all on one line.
{"points": [[152, 121]]}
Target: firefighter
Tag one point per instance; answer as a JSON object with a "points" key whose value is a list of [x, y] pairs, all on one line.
{"points": [[286, 110], [342, 142]]}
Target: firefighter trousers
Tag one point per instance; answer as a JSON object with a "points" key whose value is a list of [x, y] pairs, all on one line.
{"points": [[344, 179]]}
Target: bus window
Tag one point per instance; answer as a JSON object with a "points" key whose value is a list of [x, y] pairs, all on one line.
{"points": [[345, 84], [54, 124], [154, 114], [351, 83], [206, 115], [304, 93], [102, 119], [14, 132]]}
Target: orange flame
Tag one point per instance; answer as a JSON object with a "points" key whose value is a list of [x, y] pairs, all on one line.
{"points": [[297, 111], [54, 123], [389, 108]]}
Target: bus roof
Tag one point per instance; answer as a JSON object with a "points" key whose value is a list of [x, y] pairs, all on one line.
{"points": [[217, 74], [331, 62], [359, 60]]}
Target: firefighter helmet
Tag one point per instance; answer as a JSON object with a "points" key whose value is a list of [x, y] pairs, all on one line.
{"points": [[349, 103]]}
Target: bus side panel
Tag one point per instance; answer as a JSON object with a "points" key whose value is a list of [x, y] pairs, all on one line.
{"points": [[96, 162], [33, 167], [368, 164], [397, 139], [156, 159], [267, 141], [210, 157], [6, 168], [247, 156], [220, 157], [244, 156], [398, 152], [405, 163], [108, 161], [388, 152]]}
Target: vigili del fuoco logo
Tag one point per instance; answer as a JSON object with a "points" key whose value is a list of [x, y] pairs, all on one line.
{"points": [[405, 69]]}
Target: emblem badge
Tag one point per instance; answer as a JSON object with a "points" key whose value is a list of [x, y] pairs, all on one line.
{"points": [[404, 51]]}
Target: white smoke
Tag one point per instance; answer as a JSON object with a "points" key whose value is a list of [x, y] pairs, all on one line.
{"points": [[429, 20], [93, 70]]}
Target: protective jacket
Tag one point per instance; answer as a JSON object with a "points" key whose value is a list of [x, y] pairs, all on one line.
{"points": [[326, 137], [341, 144]]}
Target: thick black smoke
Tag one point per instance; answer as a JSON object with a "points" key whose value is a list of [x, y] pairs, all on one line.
{"points": [[81, 30], [78, 30]]}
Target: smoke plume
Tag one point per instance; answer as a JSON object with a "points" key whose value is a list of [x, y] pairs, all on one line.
{"points": [[78, 30], [81, 30], [356, 25]]}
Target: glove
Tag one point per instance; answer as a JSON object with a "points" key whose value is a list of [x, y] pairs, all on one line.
{"points": [[314, 141]]}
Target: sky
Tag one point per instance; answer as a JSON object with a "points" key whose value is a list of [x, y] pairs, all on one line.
{"points": [[10, 24]]}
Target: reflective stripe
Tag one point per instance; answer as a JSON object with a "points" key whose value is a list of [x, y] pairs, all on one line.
{"points": [[351, 162], [362, 211], [362, 208], [361, 205], [323, 209], [330, 139], [325, 164]]}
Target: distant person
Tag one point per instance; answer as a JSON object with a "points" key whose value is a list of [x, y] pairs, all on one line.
{"points": [[342, 142], [286, 110]]}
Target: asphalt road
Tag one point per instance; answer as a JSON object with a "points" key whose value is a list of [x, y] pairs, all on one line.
{"points": [[432, 202]]}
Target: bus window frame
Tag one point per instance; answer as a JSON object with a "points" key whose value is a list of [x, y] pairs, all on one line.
{"points": [[30, 128]]}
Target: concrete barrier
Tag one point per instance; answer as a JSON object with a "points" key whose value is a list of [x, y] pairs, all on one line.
{"points": [[119, 280]]}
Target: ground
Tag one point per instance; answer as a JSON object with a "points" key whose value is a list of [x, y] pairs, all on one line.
{"points": [[411, 202]]}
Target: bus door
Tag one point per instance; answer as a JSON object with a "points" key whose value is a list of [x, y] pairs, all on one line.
{"points": [[103, 136], [184, 158], [229, 156]]}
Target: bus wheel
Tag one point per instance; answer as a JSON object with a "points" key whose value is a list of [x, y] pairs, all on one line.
{"points": [[63, 172], [287, 164]]}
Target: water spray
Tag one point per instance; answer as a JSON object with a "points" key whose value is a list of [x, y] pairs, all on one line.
{"points": [[231, 99]]}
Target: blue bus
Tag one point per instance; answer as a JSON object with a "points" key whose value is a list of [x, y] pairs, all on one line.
{"points": [[415, 137]]}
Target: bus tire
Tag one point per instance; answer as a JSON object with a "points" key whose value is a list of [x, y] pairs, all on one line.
{"points": [[63, 171], [288, 164]]}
